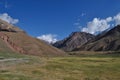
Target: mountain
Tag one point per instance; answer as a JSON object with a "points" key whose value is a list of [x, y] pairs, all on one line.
{"points": [[106, 41], [13, 39], [74, 40]]}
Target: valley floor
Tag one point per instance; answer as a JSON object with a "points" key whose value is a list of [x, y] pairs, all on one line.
{"points": [[17, 67]]}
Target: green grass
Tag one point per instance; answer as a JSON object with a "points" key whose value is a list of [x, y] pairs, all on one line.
{"points": [[95, 67]]}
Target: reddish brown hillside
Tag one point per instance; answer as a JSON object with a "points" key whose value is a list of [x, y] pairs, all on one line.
{"points": [[17, 40]]}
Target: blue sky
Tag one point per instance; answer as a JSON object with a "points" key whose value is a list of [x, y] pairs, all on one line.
{"points": [[58, 17]]}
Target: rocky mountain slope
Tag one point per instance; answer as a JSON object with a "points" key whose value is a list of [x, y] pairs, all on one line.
{"points": [[109, 41], [74, 40], [13, 39]]}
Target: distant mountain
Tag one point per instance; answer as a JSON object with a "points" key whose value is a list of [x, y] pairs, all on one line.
{"points": [[74, 40], [13, 39], [106, 41]]}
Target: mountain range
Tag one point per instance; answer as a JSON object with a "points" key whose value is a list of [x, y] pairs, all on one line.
{"points": [[81, 41], [106, 41], [16, 40]]}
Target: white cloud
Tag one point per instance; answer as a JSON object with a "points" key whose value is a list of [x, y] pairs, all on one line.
{"points": [[98, 25], [50, 38], [117, 19], [8, 18], [109, 19]]}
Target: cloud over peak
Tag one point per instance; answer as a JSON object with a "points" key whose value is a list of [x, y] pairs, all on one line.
{"points": [[117, 19], [98, 25], [50, 38], [8, 18]]}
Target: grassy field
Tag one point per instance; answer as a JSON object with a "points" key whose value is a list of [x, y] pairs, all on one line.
{"points": [[21, 67]]}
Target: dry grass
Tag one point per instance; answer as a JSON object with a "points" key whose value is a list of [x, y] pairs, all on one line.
{"points": [[61, 68]]}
